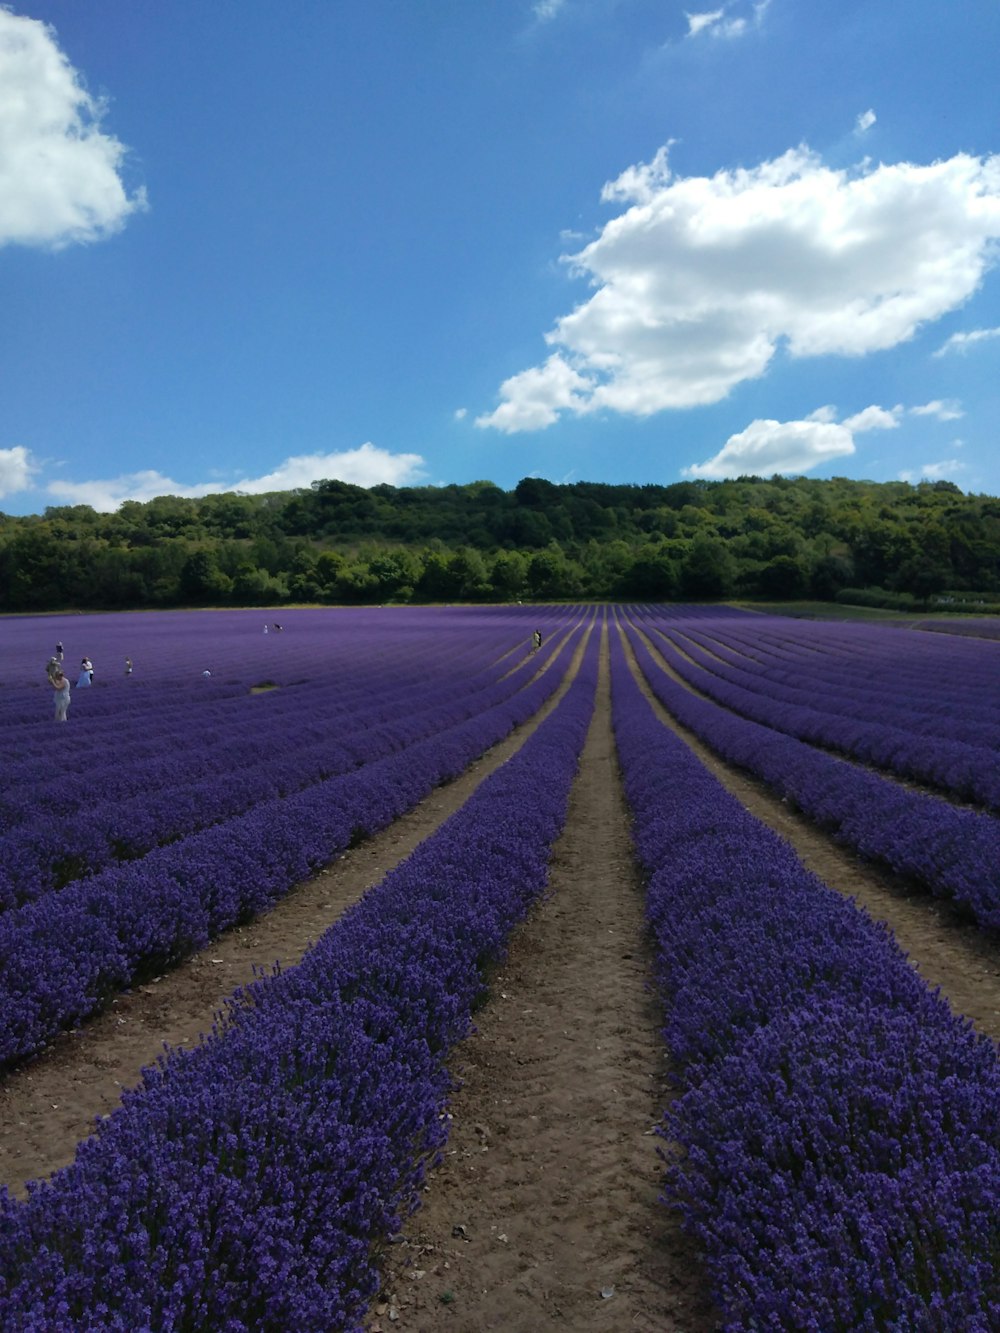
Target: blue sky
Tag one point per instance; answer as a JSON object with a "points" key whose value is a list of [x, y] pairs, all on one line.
{"points": [[248, 245]]}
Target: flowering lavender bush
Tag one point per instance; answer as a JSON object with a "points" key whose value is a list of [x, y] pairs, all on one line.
{"points": [[871, 730], [246, 1185], [63, 955], [155, 774], [953, 852], [839, 1127]]}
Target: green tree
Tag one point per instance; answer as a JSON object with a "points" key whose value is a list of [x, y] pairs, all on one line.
{"points": [[707, 570], [202, 580]]}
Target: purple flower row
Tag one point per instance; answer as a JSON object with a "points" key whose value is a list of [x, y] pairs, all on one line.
{"points": [[132, 808], [953, 852], [970, 772], [906, 680], [64, 955], [128, 720], [900, 676], [248, 1186], [838, 1129], [924, 684], [975, 629]]}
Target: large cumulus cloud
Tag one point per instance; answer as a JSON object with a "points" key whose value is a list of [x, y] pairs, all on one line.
{"points": [[700, 279], [60, 174]]}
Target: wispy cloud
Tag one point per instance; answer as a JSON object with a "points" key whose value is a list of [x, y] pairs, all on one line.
{"points": [[724, 23], [865, 121], [365, 466], [947, 467], [60, 174], [962, 342], [943, 409], [699, 22], [699, 279], [545, 10]]}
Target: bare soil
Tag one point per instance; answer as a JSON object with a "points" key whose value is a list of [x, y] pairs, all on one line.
{"points": [[544, 1211]]}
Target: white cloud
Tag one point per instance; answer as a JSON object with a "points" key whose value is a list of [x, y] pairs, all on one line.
{"points": [[943, 409], [364, 466], [766, 447], [534, 398], [16, 470], [948, 467], [873, 418], [716, 23], [59, 174], [699, 22], [547, 9], [700, 279], [865, 121], [961, 342]]}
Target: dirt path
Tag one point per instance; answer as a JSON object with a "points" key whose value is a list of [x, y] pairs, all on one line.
{"points": [[544, 1212], [946, 948], [47, 1106]]}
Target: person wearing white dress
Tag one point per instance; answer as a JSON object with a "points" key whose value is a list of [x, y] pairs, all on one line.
{"points": [[86, 673], [61, 686]]}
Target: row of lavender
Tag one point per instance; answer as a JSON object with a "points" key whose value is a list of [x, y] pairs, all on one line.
{"points": [[936, 686], [166, 777], [319, 651], [839, 1128], [973, 629], [64, 955], [815, 711], [953, 852], [247, 1185], [948, 683]]}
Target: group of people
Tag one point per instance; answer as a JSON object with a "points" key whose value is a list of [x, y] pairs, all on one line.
{"points": [[60, 681]]}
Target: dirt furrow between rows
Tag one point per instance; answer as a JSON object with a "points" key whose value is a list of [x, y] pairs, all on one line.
{"points": [[544, 1211], [49, 1105], [948, 950]]}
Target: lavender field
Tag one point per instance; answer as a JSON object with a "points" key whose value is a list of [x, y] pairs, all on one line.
{"points": [[832, 1124]]}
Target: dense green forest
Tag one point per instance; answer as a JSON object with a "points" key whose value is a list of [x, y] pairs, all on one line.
{"points": [[752, 537]]}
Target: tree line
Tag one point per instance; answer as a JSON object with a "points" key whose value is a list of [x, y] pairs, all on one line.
{"points": [[769, 538]]}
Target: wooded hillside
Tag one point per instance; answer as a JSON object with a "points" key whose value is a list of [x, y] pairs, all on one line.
{"points": [[774, 538]]}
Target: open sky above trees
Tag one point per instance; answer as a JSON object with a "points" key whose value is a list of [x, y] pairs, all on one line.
{"points": [[247, 247]]}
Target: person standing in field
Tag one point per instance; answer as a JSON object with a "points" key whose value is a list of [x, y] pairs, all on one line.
{"points": [[59, 651], [536, 641], [128, 666], [61, 686], [86, 673]]}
